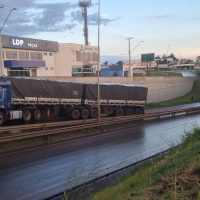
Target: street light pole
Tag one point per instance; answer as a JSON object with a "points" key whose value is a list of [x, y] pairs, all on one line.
{"points": [[98, 71], [1, 50], [129, 55], [136, 46]]}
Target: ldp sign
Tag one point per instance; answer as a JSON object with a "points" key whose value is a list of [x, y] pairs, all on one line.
{"points": [[17, 42]]}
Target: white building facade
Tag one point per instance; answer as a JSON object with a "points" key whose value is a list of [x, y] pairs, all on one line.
{"points": [[41, 58]]}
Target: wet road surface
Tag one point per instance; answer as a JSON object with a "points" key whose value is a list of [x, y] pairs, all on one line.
{"points": [[43, 172], [188, 73]]}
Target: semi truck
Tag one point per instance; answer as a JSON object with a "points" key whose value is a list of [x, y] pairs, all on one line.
{"points": [[39, 99]]}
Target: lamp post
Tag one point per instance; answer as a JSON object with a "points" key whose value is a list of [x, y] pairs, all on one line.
{"points": [[1, 50], [98, 79], [136, 46], [129, 55]]}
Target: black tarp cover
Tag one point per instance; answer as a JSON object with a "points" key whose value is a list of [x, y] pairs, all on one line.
{"points": [[25, 87], [117, 92], [40, 88]]}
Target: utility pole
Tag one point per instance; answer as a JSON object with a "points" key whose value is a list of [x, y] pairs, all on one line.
{"points": [[98, 78], [129, 55], [136, 47]]}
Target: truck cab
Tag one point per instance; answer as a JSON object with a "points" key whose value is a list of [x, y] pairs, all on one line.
{"points": [[5, 93], [5, 98]]}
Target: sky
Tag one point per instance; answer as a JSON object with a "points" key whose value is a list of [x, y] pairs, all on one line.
{"points": [[165, 26]]}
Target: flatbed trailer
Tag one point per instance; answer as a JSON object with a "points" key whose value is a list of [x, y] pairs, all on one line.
{"points": [[39, 99]]}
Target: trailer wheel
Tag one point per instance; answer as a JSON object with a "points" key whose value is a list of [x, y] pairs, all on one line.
{"points": [[139, 111], [108, 110], [129, 111], [93, 113], [37, 115], [27, 115], [85, 113], [119, 112], [75, 114], [1, 118]]}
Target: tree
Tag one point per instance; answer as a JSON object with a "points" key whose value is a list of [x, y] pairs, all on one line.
{"points": [[120, 63], [105, 63], [197, 61], [175, 60]]}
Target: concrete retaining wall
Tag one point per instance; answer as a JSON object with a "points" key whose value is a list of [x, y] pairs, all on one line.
{"points": [[159, 88]]}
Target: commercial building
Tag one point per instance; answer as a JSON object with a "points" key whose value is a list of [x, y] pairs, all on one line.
{"points": [[112, 70], [76, 60], [32, 57]]}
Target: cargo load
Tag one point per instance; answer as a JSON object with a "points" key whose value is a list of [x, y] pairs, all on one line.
{"points": [[111, 92], [41, 90]]}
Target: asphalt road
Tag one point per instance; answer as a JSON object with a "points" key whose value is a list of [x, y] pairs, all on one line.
{"points": [[188, 73], [40, 173]]}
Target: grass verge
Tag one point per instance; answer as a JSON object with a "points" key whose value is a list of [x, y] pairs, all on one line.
{"points": [[175, 175], [165, 73], [192, 96], [161, 73]]}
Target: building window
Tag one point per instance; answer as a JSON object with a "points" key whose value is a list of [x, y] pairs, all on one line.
{"points": [[36, 55], [45, 54], [11, 54], [3, 54], [86, 57], [51, 68], [51, 54], [46, 68], [78, 56], [19, 72], [23, 55], [76, 71], [94, 57], [34, 72]]}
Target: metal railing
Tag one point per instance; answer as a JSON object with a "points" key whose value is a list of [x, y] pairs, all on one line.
{"points": [[53, 128]]}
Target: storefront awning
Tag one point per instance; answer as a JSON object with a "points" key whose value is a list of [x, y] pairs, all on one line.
{"points": [[24, 63]]}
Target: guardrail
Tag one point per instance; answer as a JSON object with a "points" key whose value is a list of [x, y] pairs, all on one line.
{"points": [[69, 126]]}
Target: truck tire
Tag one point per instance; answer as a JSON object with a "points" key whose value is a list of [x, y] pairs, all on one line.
{"points": [[27, 115], [119, 112], [1, 118], [108, 110], [75, 114], [37, 115], [85, 113], [93, 113], [139, 111], [129, 111]]}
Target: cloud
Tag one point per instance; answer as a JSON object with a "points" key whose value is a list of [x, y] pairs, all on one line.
{"points": [[194, 19], [52, 17], [92, 18], [76, 16], [22, 4], [159, 16], [32, 17]]}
